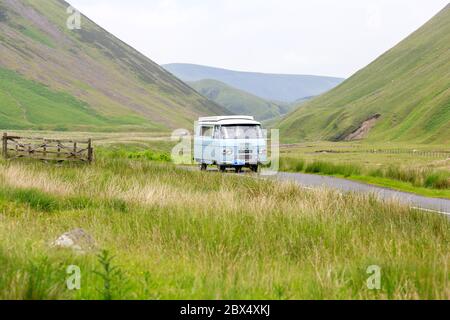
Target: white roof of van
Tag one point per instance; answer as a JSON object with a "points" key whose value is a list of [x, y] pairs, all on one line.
{"points": [[228, 120]]}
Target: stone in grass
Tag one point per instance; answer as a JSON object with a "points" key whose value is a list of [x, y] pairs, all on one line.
{"points": [[77, 240]]}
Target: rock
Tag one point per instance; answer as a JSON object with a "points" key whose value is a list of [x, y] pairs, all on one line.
{"points": [[77, 240]]}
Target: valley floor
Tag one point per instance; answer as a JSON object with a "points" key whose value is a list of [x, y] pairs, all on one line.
{"points": [[180, 234]]}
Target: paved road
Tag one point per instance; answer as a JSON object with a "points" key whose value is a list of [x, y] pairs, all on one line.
{"points": [[415, 201]]}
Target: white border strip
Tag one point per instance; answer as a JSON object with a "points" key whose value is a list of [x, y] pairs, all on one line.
{"points": [[432, 211]]}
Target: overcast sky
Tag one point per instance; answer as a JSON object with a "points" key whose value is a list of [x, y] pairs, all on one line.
{"points": [[321, 37]]}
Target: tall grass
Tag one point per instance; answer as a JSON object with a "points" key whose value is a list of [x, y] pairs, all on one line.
{"points": [[148, 155], [438, 180], [322, 167], [419, 177], [178, 234], [346, 170]]}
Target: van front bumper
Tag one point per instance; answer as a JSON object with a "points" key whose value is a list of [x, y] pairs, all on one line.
{"points": [[241, 162]]}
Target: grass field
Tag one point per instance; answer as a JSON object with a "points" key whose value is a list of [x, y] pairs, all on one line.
{"points": [[168, 233], [416, 168], [421, 169]]}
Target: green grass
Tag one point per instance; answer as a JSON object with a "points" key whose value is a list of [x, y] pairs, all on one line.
{"points": [[424, 170], [28, 104], [403, 186], [407, 86], [38, 36], [168, 233], [331, 169], [149, 155]]}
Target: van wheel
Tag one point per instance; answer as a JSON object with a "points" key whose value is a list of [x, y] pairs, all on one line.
{"points": [[222, 168], [203, 167], [254, 168]]}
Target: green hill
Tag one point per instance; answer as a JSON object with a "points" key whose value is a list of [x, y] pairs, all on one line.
{"points": [[239, 102], [405, 93], [55, 78]]}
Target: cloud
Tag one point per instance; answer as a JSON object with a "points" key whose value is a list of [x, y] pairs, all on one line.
{"points": [[285, 36]]}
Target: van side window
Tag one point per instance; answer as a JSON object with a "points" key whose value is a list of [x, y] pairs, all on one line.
{"points": [[207, 132]]}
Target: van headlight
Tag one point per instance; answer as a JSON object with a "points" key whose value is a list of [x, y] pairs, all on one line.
{"points": [[227, 151]]}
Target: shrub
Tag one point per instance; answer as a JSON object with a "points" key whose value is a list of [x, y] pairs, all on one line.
{"points": [[114, 281]]}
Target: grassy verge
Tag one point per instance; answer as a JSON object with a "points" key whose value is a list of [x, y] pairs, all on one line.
{"points": [[165, 233], [426, 182], [403, 186]]}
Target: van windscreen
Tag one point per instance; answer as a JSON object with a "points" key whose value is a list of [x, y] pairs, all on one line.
{"points": [[241, 132]]}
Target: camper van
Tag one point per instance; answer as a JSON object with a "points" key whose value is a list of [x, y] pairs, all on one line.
{"points": [[229, 142]]}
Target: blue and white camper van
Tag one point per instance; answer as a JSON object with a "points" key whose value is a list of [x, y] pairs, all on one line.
{"points": [[229, 142]]}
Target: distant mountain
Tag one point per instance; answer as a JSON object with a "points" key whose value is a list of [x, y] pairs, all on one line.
{"points": [[239, 102], [55, 78], [402, 96], [272, 87]]}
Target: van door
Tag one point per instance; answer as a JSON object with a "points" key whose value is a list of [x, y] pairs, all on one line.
{"points": [[206, 142]]}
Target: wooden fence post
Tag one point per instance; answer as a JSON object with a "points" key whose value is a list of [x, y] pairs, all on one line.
{"points": [[90, 153], [5, 145]]}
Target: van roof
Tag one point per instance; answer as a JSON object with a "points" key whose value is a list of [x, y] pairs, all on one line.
{"points": [[228, 120]]}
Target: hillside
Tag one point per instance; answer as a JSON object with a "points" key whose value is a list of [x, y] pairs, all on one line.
{"points": [[271, 87], [56, 78], [402, 96], [239, 102]]}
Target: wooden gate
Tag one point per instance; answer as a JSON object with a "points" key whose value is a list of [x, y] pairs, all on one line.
{"points": [[47, 149]]}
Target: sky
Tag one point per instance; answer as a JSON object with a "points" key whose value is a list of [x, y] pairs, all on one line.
{"points": [[320, 37]]}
